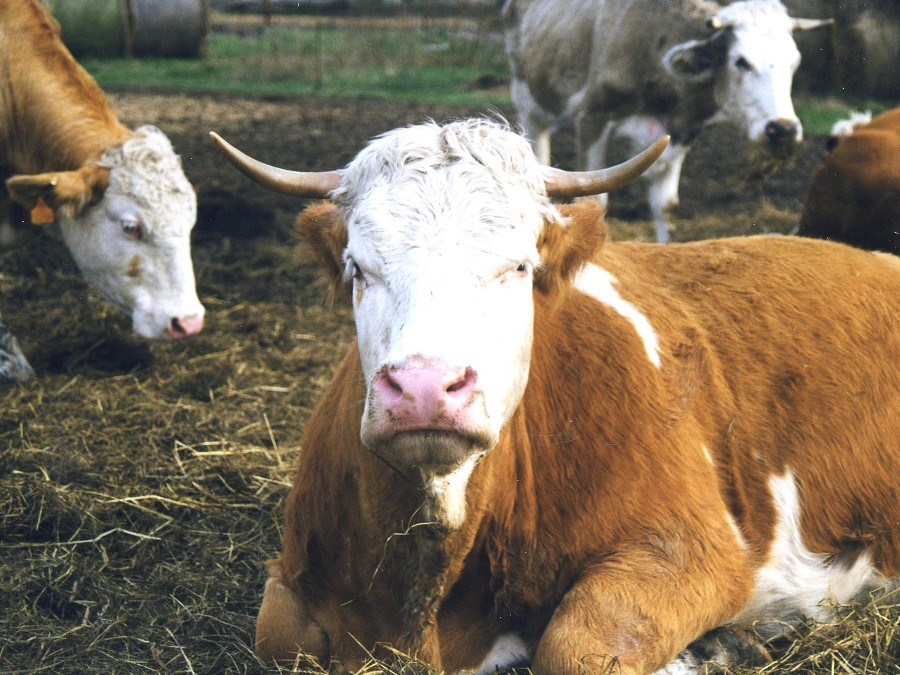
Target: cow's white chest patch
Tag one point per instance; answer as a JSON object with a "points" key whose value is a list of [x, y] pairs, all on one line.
{"points": [[600, 284], [796, 580], [507, 652], [447, 493]]}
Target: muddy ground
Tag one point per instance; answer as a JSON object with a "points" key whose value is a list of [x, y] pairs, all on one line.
{"points": [[142, 485]]}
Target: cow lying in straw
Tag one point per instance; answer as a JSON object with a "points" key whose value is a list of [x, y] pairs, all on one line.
{"points": [[580, 454]]}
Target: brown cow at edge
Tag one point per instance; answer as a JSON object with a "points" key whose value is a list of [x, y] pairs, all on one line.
{"points": [[854, 196], [550, 448], [118, 198]]}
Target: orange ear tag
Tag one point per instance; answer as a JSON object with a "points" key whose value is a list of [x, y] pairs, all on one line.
{"points": [[42, 214]]}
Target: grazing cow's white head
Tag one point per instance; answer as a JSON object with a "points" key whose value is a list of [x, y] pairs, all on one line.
{"points": [[439, 230], [752, 58], [127, 221]]}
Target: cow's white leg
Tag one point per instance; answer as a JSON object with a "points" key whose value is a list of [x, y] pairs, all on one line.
{"points": [[540, 141], [595, 158], [534, 122], [662, 178], [662, 193], [14, 367]]}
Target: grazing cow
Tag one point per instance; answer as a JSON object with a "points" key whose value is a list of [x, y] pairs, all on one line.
{"points": [[683, 64], [546, 448], [854, 196], [119, 199]]}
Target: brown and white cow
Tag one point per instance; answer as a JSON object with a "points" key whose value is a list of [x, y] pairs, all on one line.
{"points": [[119, 199], [854, 196], [554, 449]]}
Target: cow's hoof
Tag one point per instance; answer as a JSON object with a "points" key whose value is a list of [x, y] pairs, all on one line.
{"points": [[14, 367], [731, 645]]}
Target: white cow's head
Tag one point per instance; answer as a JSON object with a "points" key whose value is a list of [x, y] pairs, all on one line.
{"points": [[751, 59], [439, 232], [127, 221]]}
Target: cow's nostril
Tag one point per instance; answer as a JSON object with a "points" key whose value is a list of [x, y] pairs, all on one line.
{"points": [[781, 130], [463, 383], [184, 326], [392, 383]]}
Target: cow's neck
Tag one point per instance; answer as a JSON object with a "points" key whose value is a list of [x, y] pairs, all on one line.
{"points": [[405, 544], [426, 554], [45, 95]]}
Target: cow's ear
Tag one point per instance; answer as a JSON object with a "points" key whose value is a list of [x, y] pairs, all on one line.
{"points": [[323, 230], [64, 193], [566, 247], [699, 60]]}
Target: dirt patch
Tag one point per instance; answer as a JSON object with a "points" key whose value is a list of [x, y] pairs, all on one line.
{"points": [[142, 485]]}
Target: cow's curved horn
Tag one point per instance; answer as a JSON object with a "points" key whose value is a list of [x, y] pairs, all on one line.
{"points": [[297, 183], [566, 184]]}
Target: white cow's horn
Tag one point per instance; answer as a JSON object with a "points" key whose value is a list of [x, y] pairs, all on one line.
{"points": [[297, 183], [567, 184]]}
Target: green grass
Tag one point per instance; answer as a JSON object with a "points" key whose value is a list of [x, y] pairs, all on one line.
{"points": [[819, 113], [436, 63], [423, 64]]}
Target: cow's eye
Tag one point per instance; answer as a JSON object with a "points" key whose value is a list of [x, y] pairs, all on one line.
{"points": [[132, 227], [743, 64], [352, 271], [520, 271]]}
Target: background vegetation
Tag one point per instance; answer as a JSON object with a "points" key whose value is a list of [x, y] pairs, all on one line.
{"points": [[437, 60]]}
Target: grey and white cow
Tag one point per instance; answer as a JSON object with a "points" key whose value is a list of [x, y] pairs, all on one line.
{"points": [[646, 68]]}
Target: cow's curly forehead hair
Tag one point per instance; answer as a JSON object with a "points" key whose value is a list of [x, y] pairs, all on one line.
{"points": [[490, 157], [146, 169]]}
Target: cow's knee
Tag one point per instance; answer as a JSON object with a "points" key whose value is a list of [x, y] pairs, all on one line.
{"points": [[284, 629]]}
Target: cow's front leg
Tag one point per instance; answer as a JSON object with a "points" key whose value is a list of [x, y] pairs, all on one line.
{"points": [[635, 612], [662, 193], [14, 367]]}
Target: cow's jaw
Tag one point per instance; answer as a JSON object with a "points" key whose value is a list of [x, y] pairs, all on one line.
{"points": [[144, 272]]}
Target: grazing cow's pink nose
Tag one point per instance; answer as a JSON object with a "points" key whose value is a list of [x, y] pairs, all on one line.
{"points": [[424, 393], [185, 326]]}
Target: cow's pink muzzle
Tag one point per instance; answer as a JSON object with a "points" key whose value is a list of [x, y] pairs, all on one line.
{"points": [[425, 394], [184, 327]]}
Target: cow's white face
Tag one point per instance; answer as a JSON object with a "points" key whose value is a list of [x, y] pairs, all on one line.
{"points": [[134, 243], [442, 229], [755, 90], [751, 58]]}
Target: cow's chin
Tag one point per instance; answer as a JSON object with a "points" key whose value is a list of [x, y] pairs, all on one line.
{"points": [[149, 326], [431, 450]]}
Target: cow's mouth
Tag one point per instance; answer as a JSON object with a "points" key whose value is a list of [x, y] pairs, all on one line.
{"points": [[435, 447]]}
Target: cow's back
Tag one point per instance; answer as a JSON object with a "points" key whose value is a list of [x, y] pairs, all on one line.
{"points": [[804, 336], [53, 115], [594, 48], [854, 196]]}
